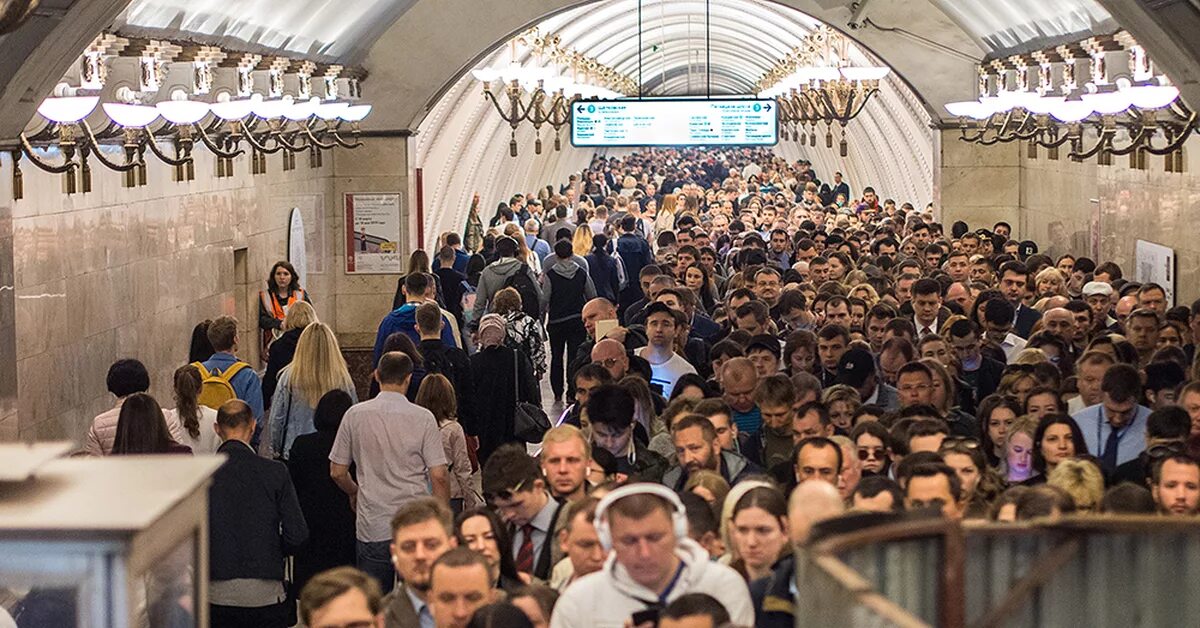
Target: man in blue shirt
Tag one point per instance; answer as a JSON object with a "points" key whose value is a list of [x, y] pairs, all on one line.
{"points": [[537, 245], [404, 318], [461, 257], [223, 335], [1115, 429]]}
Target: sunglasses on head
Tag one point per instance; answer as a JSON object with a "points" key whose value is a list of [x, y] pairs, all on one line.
{"points": [[959, 441], [506, 494]]}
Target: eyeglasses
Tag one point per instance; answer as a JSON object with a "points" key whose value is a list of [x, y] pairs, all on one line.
{"points": [[867, 453], [607, 363]]}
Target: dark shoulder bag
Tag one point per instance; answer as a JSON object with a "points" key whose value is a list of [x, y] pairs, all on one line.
{"points": [[529, 421]]}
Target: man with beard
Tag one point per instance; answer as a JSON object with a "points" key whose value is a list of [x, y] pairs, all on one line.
{"points": [[1176, 486], [697, 448], [422, 530]]}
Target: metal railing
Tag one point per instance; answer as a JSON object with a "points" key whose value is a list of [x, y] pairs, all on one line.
{"points": [[1096, 572]]}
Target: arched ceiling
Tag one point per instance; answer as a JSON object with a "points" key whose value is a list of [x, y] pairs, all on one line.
{"points": [[460, 145], [415, 49]]}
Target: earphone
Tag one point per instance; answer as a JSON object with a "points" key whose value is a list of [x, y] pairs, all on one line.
{"points": [[678, 514]]}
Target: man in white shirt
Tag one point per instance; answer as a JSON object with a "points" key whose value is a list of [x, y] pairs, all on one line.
{"points": [[666, 366], [398, 450], [998, 325]]}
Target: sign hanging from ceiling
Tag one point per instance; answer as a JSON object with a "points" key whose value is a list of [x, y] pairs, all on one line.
{"points": [[671, 122]]}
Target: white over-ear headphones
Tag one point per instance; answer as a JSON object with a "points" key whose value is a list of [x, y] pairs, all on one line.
{"points": [[678, 514]]}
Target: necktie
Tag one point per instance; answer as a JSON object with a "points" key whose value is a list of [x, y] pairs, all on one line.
{"points": [[525, 552], [1109, 459], [925, 331]]}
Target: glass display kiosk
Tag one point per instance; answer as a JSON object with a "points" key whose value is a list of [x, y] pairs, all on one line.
{"points": [[118, 542]]}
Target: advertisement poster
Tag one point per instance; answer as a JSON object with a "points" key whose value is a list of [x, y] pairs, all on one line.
{"points": [[1156, 263], [372, 233]]}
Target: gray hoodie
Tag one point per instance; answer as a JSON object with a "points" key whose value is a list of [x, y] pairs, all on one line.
{"points": [[492, 279], [565, 268]]}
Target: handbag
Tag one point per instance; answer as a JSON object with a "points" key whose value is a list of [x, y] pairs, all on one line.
{"points": [[529, 420]]}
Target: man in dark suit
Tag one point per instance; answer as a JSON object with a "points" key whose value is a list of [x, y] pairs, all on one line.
{"points": [[422, 530], [254, 521], [514, 488], [1013, 278], [928, 313]]}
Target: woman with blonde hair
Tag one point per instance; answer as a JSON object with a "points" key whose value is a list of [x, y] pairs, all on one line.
{"points": [[1050, 282], [843, 401], [665, 220], [317, 369], [437, 396], [1082, 480], [299, 316], [581, 243], [866, 292], [710, 486]]}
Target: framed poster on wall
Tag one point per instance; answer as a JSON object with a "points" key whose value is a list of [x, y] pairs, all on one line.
{"points": [[1156, 263], [373, 234]]}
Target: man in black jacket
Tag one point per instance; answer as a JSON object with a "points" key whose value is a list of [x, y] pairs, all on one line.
{"points": [[254, 521], [451, 362]]}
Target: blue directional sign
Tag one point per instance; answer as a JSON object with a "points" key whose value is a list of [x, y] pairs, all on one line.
{"points": [[675, 122]]}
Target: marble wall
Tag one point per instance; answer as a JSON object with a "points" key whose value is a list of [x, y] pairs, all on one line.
{"points": [[127, 272], [1082, 208], [8, 339]]}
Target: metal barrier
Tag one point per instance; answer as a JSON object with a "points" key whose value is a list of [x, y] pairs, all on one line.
{"points": [[1095, 572]]}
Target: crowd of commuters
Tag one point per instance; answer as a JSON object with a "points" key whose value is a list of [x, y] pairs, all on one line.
{"points": [[736, 353]]}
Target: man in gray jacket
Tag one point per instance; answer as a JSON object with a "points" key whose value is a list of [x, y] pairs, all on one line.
{"points": [[566, 288], [497, 274]]}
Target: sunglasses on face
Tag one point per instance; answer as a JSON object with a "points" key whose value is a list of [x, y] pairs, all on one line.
{"points": [[867, 453]]}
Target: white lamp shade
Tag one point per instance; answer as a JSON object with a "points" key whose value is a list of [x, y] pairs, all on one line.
{"points": [[355, 113], [271, 109], [486, 75], [302, 110], [68, 109], [131, 116], [964, 109], [183, 111], [232, 109], [1152, 96], [873, 73], [331, 110], [1071, 110], [1107, 103], [1044, 104]]}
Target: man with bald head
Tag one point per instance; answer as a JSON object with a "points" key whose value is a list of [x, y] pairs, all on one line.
{"points": [[1060, 322], [1125, 305], [812, 502], [611, 355], [594, 311], [739, 379]]}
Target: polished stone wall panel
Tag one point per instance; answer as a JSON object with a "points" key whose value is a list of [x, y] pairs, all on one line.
{"points": [[1081, 208], [124, 272]]}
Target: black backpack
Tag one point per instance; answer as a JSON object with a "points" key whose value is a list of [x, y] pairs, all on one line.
{"points": [[520, 281]]}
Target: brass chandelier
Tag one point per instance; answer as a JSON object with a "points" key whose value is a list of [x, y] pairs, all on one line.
{"points": [[1118, 109], [136, 121], [538, 93], [815, 84]]}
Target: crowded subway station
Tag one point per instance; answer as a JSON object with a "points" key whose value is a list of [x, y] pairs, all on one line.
{"points": [[611, 313]]}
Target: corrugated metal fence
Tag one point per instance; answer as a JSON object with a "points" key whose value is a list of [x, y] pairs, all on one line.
{"points": [[1102, 572]]}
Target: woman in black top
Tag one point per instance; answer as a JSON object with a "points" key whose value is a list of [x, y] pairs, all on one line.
{"points": [[326, 508]]}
